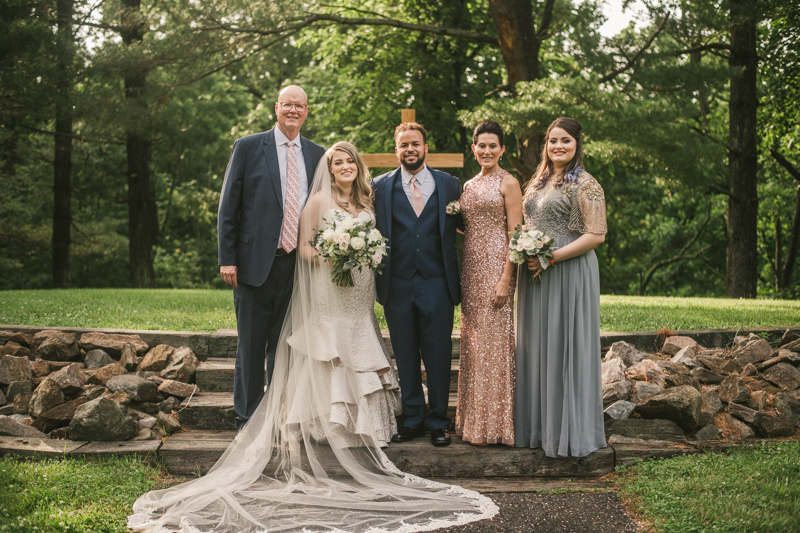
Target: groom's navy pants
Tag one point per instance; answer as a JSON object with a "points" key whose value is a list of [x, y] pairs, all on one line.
{"points": [[259, 318], [419, 314]]}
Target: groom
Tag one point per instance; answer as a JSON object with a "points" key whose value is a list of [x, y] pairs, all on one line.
{"points": [[419, 285]]}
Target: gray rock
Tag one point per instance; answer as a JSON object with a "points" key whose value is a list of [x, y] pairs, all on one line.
{"points": [[676, 369], [2, 398], [102, 420], [676, 343], [645, 429], [783, 375], [13, 348], [150, 408], [745, 414], [789, 336], [686, 356], [112, 343], [92, 391], [107, 372], [121, 398], [167, 422], [626, 352], [59, 416], [57, 346], [177, 388], [181, 366], [157, 358], [46, 396], [678, 380], [40, 368], [612, 392], [754, 351], [740, 340], [705, 375], [11, 428], [147, 434], [681, 404], [758, 400], [71, 379], [749, 370], [647, 370], [710, 406], [137, 388], [708, 433], [19, 337], [619, 410], [97, 358], [786, 405], [732, 389], [713, 363], [641, 390], [784, 356], [612, 371], [147, 422], [733, 428], [169, 405], [777, 426], [18, 387], [14, 369], [22, 404], [60, 433], [128, 358]]}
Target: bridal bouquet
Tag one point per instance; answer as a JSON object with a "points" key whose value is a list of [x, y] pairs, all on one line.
{"points": [[349, 243], [527, 243]]}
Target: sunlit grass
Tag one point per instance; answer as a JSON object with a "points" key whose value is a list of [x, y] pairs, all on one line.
{"points": [[71, 495], [209, 310], [750, 489]]}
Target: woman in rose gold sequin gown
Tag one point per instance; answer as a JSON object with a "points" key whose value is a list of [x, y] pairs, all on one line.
{"points": [[491, 206]]}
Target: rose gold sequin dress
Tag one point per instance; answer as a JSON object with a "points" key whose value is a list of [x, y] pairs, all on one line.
{"points": [[485, 412]]}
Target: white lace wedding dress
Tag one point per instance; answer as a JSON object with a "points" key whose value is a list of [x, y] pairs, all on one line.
{"points": [[310, 458]]}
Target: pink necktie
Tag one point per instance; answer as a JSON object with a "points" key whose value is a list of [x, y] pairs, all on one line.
{"points": [[291, 211], [417, 201]]}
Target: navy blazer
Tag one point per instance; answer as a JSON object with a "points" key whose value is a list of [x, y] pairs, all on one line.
{"points": [[251, 204], [448, 189]]}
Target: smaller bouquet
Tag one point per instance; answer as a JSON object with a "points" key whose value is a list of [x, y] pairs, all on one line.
{"points": [[453, 208], [527, 243], [349, 243]]}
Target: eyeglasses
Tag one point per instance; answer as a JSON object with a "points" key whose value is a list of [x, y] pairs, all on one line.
{"points": [[288, 107]]}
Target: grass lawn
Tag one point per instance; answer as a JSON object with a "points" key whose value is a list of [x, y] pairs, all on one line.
{"points": [[71, 495], [209, 310], [749, 489]]}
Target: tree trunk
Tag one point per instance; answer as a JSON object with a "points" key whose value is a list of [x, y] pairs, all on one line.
{"points": [[142, 212], [62, 162], [742, 255], [787, 269]]}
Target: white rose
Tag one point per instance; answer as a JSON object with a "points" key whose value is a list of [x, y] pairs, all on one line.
{"points": [[519, 246], [362, 234], [348, 223], [328, 234], [342, 240], [376, 259], [527, 242], [357, 243], [374, 235]]}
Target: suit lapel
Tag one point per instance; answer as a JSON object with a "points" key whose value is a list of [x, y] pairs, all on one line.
{"points": [[274, 170], [441, 192], [388, 188], [310, 170]]}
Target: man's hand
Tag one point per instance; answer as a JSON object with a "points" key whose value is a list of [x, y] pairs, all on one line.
{"points": [[228, 273]]}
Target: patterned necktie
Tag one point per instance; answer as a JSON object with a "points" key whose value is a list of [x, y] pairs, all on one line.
{"points": [[417, 200], [291, 204]]}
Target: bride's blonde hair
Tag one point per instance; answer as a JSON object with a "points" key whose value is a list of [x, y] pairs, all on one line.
{"points": [[362, 194]]}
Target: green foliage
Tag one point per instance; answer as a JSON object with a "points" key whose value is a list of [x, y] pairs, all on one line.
{"points": [[71, 495], [748, 489]]}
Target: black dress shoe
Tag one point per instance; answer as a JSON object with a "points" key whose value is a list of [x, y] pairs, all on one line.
{"points": [[408, 434], [440, 437]]}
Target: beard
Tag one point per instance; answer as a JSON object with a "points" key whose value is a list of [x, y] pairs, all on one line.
{"points": [[411, 167]]}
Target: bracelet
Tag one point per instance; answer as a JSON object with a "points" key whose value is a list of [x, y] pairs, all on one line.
{"points": [[552, 262]]}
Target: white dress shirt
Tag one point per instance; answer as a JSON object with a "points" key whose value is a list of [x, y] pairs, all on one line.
{"points": [[425, 182], [283, 162]]}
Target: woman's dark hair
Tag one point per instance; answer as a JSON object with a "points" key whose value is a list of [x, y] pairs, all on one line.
{"points": [[488, 126], [545, 169]]}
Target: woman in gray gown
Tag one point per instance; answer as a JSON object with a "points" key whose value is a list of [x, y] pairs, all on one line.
{"points": [[559, 405]]}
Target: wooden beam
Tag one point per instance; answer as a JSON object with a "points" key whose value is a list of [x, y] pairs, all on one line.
{"points": [[408, 115], [432, 160]]}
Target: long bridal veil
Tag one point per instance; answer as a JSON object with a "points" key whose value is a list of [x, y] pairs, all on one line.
{"points": [[302, 463]]}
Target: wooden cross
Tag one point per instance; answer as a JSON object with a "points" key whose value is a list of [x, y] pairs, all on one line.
{"points": [[432, 160]]}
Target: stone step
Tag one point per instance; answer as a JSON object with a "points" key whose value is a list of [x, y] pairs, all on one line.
{"points": [[195, 452], [216, 375], [214, 411]]}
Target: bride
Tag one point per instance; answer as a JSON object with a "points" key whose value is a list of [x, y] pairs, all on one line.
{"points": [[310, 457]]}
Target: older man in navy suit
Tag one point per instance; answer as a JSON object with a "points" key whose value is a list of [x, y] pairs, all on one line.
{"points": [[266, 186], [419, 285]]}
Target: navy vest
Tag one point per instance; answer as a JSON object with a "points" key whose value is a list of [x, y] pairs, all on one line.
{"points": [[416, 242]]}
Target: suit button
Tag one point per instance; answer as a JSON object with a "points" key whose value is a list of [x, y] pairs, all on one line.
{"points": [[280, 215], [417, 236], [418, 249], [275, 240]]}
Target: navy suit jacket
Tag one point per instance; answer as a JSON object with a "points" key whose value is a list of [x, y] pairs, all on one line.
{"points": [[251, 204], [448, 189]]}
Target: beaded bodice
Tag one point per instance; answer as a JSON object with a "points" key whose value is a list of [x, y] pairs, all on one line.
{"points": [[569, 210]]}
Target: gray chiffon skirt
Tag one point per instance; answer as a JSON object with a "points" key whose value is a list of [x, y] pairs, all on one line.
{"points": [[559, 404]]}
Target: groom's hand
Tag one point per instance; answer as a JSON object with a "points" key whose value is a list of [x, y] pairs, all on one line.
{"points": [[228, 273]]}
